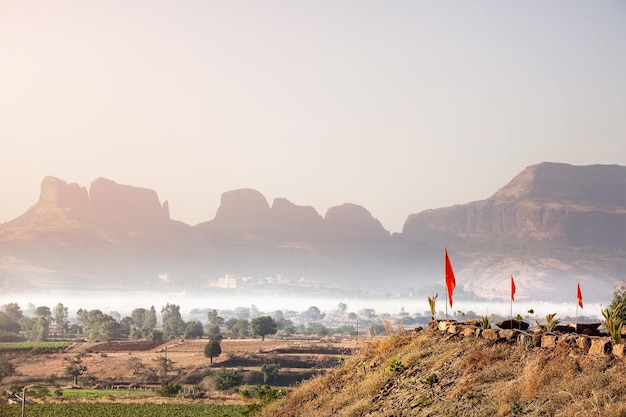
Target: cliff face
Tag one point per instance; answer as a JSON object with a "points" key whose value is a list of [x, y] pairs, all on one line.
{"points": [[547, 202], [550, 225]]}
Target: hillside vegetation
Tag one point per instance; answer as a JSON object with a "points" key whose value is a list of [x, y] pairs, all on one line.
{"points": [[430, 373]]}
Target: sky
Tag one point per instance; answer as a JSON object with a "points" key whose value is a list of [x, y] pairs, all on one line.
{"points": [[397, 106]]}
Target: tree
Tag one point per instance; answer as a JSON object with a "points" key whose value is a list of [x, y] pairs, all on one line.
{"points": [[342, 307], [97, 325], [317, 328], [14, 312], [214, 319], [8, 325], [75, 368], [164, 366], [263, 326], [619, 296], [194, 330], [137, 366], [60, 317], [144, 323], [270, 371], [150, 320], [226, 379], [242, 313], [313, 314], [230, 323], [173, 324], [241, 328], [6, 368], [213, 348]]}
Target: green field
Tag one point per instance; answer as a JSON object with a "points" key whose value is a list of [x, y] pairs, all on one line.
{"points": [[99, 393], [122, 410], [32, 346]]}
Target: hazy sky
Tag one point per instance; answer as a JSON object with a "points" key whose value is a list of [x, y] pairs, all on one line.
{"points": [[398, 106]]}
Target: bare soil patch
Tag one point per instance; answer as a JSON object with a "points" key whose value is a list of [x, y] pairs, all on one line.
{"points": [[111, 361]]}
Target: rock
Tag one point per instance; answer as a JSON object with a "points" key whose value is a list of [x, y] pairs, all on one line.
{"points": [[508, 334], [600, 346], [537, 338], [444, 324], [490, 334], [513, 324], [568, 340], [548, 341], [619, 350], [566, 328], [469, 331], [584, 343], [590, 329], [525, 340]]}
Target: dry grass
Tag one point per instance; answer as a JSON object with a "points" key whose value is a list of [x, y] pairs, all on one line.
{"points": [[474, 377]]}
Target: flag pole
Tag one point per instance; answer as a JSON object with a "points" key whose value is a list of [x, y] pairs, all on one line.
{"points": [[445, 279], [576, 322]]}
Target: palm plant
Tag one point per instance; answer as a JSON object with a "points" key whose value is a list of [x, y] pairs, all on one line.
{"points": [[485, 321], [612, 323], [551, 323], [431, 303]]}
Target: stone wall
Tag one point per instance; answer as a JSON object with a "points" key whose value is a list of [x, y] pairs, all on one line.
{"points": [[591, 345]]}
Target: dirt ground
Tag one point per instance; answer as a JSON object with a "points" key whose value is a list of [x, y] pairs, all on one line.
{"points": [[111, 361]]}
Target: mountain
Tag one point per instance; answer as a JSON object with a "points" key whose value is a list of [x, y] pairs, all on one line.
{"points": [[551, 225]]}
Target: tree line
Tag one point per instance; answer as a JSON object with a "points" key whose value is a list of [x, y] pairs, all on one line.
{"points": [[46, 324]]}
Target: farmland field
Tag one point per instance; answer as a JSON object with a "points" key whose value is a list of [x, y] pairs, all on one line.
{"points": [[122, 410]]}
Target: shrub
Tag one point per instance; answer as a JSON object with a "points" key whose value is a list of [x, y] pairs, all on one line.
{"points": [[270, 371], [395, 366], [485, 321], [167, 389], [226, 379]]}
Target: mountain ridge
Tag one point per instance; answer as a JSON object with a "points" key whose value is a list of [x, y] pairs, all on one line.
{"points": [[552, 223]]}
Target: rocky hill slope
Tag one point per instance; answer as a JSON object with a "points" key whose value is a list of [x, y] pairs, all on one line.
{"points": [[549, 226], [433, 373]]}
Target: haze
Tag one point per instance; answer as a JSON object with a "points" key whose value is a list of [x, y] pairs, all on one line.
{"points": [[396, 106]]}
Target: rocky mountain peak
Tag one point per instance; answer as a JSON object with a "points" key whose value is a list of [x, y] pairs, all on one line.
{"points": [[60, 194], [354, 220], [599, 185], [244, 207], [121, 204]]}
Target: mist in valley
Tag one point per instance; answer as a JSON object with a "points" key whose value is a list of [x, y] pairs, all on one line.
{"points": [[394, 310]]}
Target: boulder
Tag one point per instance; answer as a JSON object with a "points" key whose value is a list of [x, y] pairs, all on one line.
{"points": [[600, 346], [548, 341], [619, 350], [512, 324], [590, 329], [584, 343], [490, 334]]}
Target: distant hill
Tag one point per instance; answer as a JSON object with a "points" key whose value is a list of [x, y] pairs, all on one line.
{"points": [[551, 225]]}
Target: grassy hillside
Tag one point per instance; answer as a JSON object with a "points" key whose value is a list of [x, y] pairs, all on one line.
{"points": [[428, 373]]}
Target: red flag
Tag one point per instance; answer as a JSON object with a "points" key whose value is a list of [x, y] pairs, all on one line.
{"points": [[579, 295], [512, 289], [450, 281]]}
